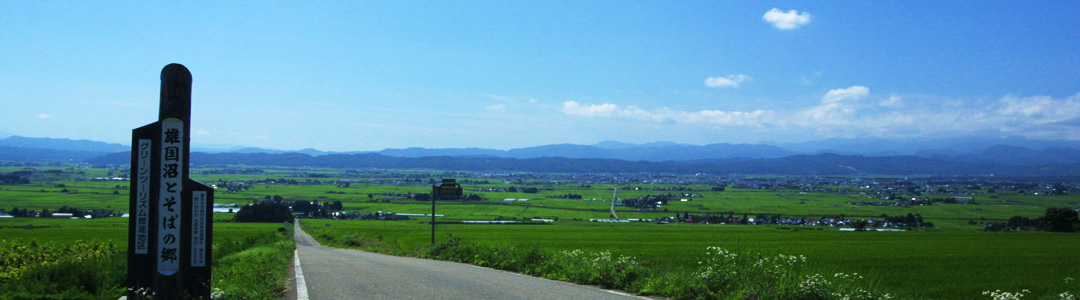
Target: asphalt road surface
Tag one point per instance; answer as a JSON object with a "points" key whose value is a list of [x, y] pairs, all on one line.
{"points": [[333, 273]]}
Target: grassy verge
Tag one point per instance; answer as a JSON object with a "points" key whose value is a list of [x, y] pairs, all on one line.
{"points": [[81, 270], [721, 274], [255, 267], [250, 262]]}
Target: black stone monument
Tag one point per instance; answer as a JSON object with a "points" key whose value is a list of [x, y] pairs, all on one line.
{"points": [[170, 230]]}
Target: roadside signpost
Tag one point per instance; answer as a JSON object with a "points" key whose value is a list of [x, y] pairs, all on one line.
{"points": [[449, 189], [170, 231]]}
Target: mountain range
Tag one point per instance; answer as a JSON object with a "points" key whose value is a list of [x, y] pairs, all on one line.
{"points": [[859, 156]]}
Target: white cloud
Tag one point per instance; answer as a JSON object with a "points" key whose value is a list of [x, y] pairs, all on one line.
{"points": [[602, 110], [713, 117], [786, 20], [725, 118], [853, 93], [496, 108], [731, 81], [838, 115], [1039, 109], [832, 113], [893, 101], [202, 132], [43, 116]]}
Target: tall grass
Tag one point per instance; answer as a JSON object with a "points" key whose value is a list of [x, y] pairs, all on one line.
{"points": [[255, 267], [252, 267], [722, 274], [82, 270]]}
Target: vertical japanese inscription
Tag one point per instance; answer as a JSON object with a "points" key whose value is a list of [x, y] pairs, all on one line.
{"points": [[142, 198], [198, 228], [172, 169]]}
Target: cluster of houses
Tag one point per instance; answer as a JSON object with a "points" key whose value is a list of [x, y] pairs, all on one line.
{"points": [[653, 202], [909, 221], [372, 216], [62, 213], [917, 201], [890, 189], [510, 189]]}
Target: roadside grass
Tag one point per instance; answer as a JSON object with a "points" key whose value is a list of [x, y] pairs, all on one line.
{"points": [[722, 274], [255, 267], [47, 270], [86, 259]]}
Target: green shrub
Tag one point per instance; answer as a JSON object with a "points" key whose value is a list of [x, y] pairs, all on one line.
{"points": [[82, 270], [253, 268]]}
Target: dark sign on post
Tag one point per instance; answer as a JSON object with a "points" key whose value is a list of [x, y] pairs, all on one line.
{"points": [[170, 229], [449, 189]]}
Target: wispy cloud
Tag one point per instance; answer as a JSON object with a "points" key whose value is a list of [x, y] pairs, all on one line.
{"points": [[714, 117], [576, 109], [843, 113], [893, 101], [43, 116], [786, 20], [851, 93], [809, 80], [496, 108], [731, 81]]}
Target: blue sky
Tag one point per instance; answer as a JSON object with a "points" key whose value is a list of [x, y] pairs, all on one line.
{"points": [[344, 76]]}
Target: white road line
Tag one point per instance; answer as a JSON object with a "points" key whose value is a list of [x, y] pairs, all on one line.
{"points": [[301, 286]]}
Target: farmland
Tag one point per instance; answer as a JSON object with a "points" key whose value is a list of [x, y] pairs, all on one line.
{"points": [[953, 259], [935, 265]]}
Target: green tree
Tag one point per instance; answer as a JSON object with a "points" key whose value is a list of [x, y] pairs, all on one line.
{"points": [[1060, 219], [265, 211], [860, 225]]}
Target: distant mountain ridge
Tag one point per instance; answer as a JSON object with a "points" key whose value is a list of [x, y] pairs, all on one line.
{"points": [[29, 154], [1013, 155], [62, 144], [814, 165], [1047, 158], [653, 152]]}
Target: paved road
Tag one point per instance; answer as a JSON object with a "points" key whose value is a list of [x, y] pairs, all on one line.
{"points": [[333, 273]]}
